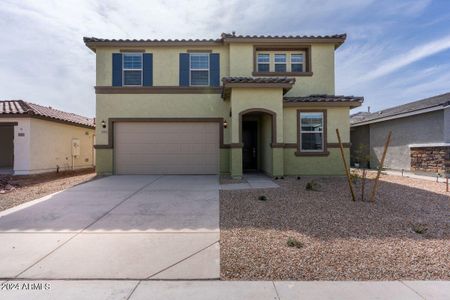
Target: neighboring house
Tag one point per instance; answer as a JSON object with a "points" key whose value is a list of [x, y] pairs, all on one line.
{"points": [[37, 139], [420, 135], [220, 106]]}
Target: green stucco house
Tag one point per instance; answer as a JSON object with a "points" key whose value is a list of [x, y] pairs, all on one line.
{"points": [[220, 106]]}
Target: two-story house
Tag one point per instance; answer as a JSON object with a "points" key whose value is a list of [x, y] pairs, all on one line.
{"points": [[220, 106]]}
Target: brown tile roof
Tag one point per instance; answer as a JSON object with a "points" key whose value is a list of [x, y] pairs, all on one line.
{"points": [[11, 108], [337, 39], [333, 36], [323, 98], [288, 80], [352, 100], [101, 40]]}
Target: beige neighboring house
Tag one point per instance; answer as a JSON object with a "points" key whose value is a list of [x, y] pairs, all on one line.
{"points": [[38, 139]]}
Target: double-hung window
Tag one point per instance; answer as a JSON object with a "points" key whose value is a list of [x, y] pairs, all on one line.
{"points": [[263, 62], [132, 69], [199, 69], [311, 131], [280, 62], [297, 62]]}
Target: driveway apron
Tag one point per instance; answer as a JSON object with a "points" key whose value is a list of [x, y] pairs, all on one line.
{"points": [[117, 227]]}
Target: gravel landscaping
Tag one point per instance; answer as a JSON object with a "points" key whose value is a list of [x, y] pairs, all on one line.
{"points": [[300, 234], [15, 190]]}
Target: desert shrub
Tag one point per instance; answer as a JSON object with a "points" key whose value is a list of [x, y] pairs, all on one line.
{"points": [[292, 242]]}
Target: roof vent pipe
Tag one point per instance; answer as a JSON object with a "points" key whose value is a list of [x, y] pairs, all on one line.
{"points": [[368, 109]]}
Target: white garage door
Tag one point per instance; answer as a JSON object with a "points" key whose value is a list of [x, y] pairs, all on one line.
{"points": [[166, 148]]}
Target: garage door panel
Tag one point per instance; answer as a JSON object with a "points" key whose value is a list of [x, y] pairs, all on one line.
{"points": [[166, 148]]}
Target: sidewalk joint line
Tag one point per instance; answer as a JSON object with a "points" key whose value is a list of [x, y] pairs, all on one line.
{"points": [[276, 291], [182, 260], [134, 289], [416, 292]]}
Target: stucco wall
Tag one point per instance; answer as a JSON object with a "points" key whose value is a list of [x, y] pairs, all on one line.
{"points": [[235, 60], [51, 146], [251, 98], [266, 150], [158, 106], [447, 125], [6, 146], [419, 129], [165, 63], [322, 63], [337, 117]]}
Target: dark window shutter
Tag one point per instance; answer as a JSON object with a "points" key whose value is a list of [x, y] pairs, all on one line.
{"points": [[214, 69], [117, 69], [184, 69], [148, 69]]}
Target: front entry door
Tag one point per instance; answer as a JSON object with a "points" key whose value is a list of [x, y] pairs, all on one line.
{"points": [[249, 139]]}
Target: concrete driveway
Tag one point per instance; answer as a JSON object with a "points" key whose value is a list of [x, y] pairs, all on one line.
{"points": [[118, 227]]}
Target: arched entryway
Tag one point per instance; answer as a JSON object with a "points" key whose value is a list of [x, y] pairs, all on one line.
{"points": [[257, 134]]}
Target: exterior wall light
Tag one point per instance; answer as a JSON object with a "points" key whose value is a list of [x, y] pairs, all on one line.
{"points": [[225, 124], [103, 124]]}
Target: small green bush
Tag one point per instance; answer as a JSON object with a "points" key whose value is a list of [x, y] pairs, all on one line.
{"points": [[312, 186], [354, 176], [263, 198], [419, 228], [292, 242]]}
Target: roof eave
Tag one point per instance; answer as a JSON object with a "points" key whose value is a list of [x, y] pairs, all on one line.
{"points": [[94, 45], [286, 41], [351, 104]]}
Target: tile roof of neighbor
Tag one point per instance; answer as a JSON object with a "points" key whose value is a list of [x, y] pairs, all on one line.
{"points": [[396, 111], [288, 80], [20, 107], [324, 98]]}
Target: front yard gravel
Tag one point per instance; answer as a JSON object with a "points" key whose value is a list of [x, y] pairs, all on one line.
{"points": [[342, 239]]}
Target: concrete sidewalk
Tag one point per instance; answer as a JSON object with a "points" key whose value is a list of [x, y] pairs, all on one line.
{"points": [[229, 290]]}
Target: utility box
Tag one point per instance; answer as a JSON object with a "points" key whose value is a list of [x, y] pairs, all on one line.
{"points": [[76, 147]]}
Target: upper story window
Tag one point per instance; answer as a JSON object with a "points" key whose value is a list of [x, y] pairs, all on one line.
{"points": [[263, 62], [199, 69], [282, 61], [132, 69], [297, 62], [311, 131]]}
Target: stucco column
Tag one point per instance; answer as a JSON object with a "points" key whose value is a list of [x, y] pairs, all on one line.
{"points": [[277, 161], [236, 163], [236, 148], [277, 149]]}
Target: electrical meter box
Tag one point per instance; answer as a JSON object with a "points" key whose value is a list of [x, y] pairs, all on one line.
{"points": [[75, 147]]}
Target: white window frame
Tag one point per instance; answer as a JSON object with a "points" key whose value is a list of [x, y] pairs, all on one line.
{"points": [[309, 131], [275, 63], [207, 69], [263, 63], [296, 63], [124, 69]]}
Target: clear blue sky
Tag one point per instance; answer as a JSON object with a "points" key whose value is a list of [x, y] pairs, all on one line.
{"points": [[397, 51]]}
